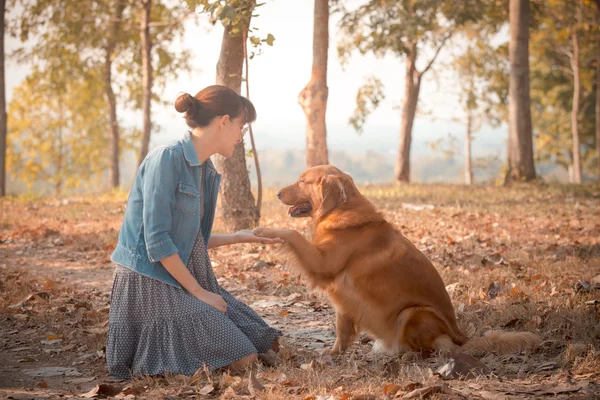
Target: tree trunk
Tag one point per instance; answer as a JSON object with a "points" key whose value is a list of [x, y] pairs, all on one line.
{"points": [[468, 166], [598, 94], [575, 109], [598, 103], [114, 124], [146, 76], [259, 190], [313, 98], [3, 115], [237, 202], [520, 139], [119, 5], [412, 85], [60, 148]]}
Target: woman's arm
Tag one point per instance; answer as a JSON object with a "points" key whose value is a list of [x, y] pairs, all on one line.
{"points": [[217, 240], [158, 191], [245, 236], [175, 266]]}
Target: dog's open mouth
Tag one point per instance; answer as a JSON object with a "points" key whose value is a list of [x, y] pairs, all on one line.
{"points": [[300, 209]]}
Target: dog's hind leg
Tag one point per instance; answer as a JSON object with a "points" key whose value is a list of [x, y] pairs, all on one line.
{"points": [[346, 332], [444, 344], [423, 330]]}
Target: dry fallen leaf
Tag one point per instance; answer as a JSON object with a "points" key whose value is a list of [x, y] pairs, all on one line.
{"points": [[534, 323], [206, 389], [462, 366], [325, 359], [392, 368], [307, 366], [426, 392], [254, 385], [273, 376], [390, 389], [102, 390], [231, 381], [228, 394], [547, 366], [132, 391]]}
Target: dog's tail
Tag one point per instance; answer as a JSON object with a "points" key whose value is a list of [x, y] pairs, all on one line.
{"points": [[502, 343]]}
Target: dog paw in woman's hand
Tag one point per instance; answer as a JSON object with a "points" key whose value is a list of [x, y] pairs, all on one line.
{"points": [[247, 236], [266, 232]]}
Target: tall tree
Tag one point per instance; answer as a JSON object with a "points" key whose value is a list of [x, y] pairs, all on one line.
{"points": [[598, 90], [146, 43], [3, 115], [575, 66], [478, 67], [407, 29], [520, 134], [109, 47], [107, 39], [160, 22], [238, 209], [313, 98], [470, 108], [61, 140], [562, 83]]}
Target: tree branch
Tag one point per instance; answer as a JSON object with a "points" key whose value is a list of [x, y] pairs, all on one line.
{"points": [[437, 52], [170, 23], [564, 51], [566, 70], [151, 24]]}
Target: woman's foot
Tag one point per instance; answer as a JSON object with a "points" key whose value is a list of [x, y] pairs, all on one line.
{"points": [[270, 358], [242, 364]]}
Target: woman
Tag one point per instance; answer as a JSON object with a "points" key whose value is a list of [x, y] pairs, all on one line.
{"points": [[168, 313]]}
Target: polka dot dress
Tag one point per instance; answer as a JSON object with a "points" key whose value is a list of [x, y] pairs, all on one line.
{"points": [[156, 328]]}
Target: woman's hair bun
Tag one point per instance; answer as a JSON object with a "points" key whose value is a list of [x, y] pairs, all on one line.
{"points": [[186, 103]]}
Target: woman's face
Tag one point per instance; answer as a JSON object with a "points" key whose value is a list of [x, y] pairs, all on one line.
{"points": [[232, 133]]}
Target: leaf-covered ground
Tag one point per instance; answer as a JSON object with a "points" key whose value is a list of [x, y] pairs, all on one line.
{"points": [[518, 258]]}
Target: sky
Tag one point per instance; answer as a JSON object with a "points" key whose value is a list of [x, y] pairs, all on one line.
{"points": [[280, 73]]}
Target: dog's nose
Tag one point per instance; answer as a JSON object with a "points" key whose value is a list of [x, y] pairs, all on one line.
{"points": [[279, 194]]}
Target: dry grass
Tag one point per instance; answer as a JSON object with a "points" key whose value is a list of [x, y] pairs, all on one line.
{"points": [[514, 255]]}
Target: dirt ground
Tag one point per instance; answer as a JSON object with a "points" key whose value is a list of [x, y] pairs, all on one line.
{"points": [[517, 258]]}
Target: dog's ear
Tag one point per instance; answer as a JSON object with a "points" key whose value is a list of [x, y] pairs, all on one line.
{"points": [[333, 194]]}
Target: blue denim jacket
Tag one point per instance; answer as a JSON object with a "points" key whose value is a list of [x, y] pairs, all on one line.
{"points": [[162, 216]]}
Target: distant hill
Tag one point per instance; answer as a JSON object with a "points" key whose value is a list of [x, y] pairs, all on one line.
{"points": [[281, 166]]}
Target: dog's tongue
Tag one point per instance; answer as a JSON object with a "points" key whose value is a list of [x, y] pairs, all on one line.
{"points": [[299, 209]]}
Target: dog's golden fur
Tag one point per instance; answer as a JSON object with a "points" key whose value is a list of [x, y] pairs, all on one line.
{"points": [[378, 281]]}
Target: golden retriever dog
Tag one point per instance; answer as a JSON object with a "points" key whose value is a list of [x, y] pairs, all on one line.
{"points": [[377, 280]]}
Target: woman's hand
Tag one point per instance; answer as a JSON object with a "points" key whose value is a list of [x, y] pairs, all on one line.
{"points": [[213, 300], [247, 236]]}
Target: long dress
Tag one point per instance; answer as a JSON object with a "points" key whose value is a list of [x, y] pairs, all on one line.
{"points": [[156, 328]]}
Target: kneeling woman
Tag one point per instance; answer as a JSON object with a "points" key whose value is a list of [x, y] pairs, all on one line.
{"points": [[168, 313]]}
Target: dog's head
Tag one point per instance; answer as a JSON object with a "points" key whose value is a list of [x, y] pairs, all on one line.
{"points": [[317, 192]]}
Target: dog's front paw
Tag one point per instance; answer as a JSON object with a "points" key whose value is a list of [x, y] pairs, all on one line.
{"points": [[265, 232], [335, 350]]}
